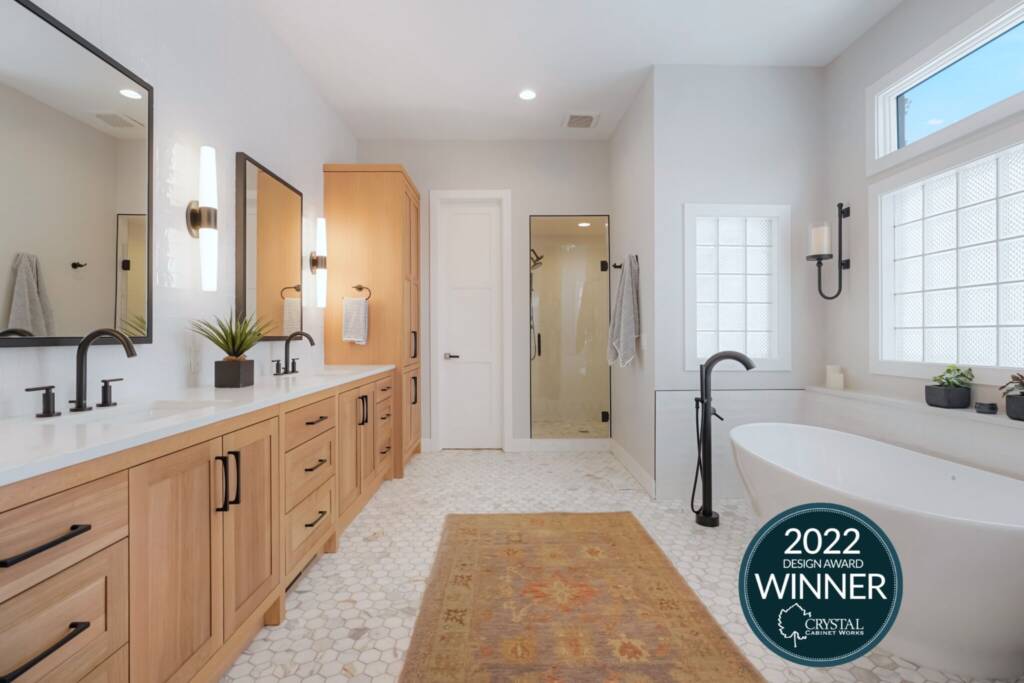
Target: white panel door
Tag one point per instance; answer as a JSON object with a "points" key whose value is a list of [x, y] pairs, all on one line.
{"points": [[469, 324]]}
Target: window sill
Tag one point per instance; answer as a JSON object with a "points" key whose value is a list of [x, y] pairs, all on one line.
{"points": [[984, 376], [1000, 420]]}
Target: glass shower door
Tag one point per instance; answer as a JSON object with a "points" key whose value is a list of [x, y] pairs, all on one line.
{"points": [[570, 393]]}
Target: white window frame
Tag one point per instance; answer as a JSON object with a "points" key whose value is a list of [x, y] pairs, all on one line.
{"points": [[781, 270], [881, 148], [963, 155]]}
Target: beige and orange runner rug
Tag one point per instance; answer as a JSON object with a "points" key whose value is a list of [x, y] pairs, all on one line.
{"points": [[560, 598]]}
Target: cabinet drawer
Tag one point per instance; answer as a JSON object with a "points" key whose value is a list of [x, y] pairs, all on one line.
{"points": [[61, 629], [385, 387], [308, 523], [114, 670], [382, 433], [307, 467], [41, 538], [302, 424]]}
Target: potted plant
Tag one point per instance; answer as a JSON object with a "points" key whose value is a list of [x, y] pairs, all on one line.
{"points": [[1013, 391], [234, 336], [952, 389]]}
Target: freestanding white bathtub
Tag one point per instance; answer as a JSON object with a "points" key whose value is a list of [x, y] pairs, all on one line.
{"points": [[958, 531]]}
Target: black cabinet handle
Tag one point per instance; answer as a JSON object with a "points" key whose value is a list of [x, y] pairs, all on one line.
{"points": [[319, 463], [77, 628], [237, 455], [385, 451], [385, 417], [415, 344], [75, 530], [415, 389], [366, 410], [310, 423], [539, 352], [223, 460], [317, 520]]}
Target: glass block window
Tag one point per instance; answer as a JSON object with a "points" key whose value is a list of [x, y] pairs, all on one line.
{"points": [[951, 250], [734, 273]]}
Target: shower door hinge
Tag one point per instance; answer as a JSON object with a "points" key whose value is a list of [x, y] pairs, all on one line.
{"points": [[605, 416], [604, 266]]}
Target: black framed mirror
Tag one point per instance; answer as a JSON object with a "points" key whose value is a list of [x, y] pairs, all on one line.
{"points": [[76, 144], [268, 248]]}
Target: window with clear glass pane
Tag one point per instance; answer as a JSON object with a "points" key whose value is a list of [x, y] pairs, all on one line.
{"points": [[986, 76], [735, 289], [952, 249]]}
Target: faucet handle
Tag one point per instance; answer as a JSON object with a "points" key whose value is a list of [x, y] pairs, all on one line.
{"points": [[715, 414], [277, 367], [295, 367], [49, 401], [107, 392]]}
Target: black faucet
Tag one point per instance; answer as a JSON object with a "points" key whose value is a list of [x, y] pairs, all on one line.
{"points": [[705, 515], [290, 367], [81, 390]]}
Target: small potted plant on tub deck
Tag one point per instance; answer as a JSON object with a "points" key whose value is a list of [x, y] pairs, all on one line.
{"points": [[952, 389], [234, 336], [1013, 391]]}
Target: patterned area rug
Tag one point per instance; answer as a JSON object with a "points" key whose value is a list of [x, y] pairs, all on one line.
{"points": [[559, 598]]}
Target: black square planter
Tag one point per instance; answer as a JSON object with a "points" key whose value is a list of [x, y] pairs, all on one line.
{"points": [[947, 397], [1015, 406], [233, 374]]}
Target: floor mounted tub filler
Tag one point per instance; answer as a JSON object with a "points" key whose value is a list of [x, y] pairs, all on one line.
{"points": [[958, 531]]}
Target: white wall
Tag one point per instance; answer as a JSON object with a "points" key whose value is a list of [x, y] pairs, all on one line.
{"points": [[632, 232], [545, 177], [910, 28], [222, 79]]}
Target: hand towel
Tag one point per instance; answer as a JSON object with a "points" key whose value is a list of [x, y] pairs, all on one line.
{"points": [[30, 305], [292, 316], [625, 323], [355, 326]]}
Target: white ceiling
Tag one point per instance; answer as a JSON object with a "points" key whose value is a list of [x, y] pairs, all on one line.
{"points": [[451, 69]]}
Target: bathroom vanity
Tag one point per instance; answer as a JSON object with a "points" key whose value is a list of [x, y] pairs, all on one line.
{"points": [[151, 543]]}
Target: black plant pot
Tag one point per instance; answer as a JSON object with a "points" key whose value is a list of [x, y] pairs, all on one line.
{"points": [[233, 373], [947, 397], [1015, 406]]}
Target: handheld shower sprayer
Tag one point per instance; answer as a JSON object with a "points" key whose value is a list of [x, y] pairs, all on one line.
{"points": [[704, 412]]}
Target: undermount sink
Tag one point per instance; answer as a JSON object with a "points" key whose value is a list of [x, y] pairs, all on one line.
{"points": [[155, 410]]}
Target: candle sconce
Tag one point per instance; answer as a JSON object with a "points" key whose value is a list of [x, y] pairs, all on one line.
{"points": [[821, 249]]}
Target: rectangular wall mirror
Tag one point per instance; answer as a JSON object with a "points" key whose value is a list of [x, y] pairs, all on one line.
{"points": [[268, 248], [76, 139]]}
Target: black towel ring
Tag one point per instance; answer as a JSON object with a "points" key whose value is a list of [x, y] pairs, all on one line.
{"points": [[297, 288], [360, 288]]}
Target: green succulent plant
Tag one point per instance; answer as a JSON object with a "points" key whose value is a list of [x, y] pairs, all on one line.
{"points": [[233, 335], [954, 376], [1016, 384]]}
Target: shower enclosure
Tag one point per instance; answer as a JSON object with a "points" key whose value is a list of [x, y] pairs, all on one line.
{"points": [[570, 381]]}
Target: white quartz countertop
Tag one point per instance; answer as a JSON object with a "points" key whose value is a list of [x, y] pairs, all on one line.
{"points": [[33, 446]]}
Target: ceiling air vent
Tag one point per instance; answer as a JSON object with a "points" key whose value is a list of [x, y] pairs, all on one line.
{"points": [[581, 121], [117, 120]]}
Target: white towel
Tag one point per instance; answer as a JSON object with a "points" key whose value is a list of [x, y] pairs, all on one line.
{"points": [[625, 324], [355, 326], [30, 306], [292, 316]]}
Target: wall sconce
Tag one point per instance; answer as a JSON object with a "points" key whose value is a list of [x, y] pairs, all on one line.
{"points": [[318, 262], [821, 249], [201, 218]]}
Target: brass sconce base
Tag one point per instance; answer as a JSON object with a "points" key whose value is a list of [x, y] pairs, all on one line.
{"points": [[197, 217], [316, 262]]}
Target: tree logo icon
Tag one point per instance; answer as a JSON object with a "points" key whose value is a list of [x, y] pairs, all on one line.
{"points": [[791, 623]]}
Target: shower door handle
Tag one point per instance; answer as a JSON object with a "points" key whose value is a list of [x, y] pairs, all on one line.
{"points": [[451, 356], [539, 352]]}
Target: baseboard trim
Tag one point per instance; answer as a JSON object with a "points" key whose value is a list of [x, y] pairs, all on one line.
{"points": [[633, 467]]}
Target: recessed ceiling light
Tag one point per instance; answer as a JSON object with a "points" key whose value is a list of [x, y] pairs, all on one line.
{"points": [[131, 94], [527, 95], [583, 225]]}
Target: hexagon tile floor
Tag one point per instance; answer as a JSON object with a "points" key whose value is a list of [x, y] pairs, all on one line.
{"points": [[349, 618]]}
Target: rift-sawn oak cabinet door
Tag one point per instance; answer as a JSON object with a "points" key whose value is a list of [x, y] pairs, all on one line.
{"points": [[350, 417], [176, 507], [412, 394], [252, 562], [367, 456]]}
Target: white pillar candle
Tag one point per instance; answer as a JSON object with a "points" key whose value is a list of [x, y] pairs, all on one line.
{"points": [[821, 241]]}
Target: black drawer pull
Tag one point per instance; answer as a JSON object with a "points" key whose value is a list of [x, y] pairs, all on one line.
{"points": [[319, 463], [385, 417], [386, 451], [77, 628], [75, 530], [310, 423], [223, 460], [310, 525], [237, 455]]}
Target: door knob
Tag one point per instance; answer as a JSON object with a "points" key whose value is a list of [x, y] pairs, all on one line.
{"points": [[451, 356]]}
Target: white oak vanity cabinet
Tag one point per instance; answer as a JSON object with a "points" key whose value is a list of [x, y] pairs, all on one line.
{"points": [[161, 562]]}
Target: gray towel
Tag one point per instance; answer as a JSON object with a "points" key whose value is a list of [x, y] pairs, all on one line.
{"points": [[30, 306], [625, 324]]}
